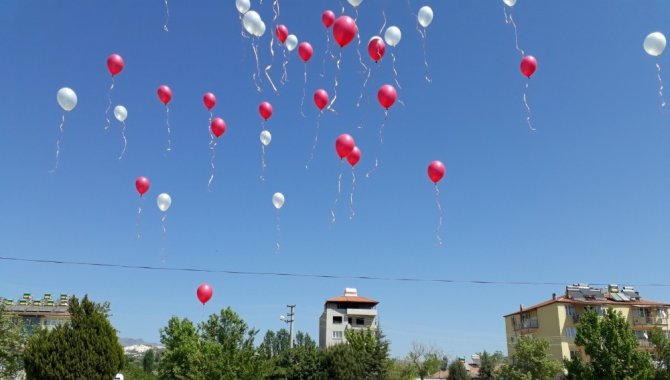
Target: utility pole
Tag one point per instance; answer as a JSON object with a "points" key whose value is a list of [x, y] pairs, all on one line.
{"points": [[291, 319]]}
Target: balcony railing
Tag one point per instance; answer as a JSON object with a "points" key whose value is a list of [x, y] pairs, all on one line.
{"points": [[650, 321], [526, 324]]}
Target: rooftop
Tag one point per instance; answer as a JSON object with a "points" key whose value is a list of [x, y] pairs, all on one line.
{"points": [[351, 295]]}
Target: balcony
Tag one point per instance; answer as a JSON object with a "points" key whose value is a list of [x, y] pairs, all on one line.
{"points": [[362, 312], [526, 324], [650, 321]]}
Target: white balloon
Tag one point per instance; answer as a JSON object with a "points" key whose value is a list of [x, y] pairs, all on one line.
{"points": [[261, 31], [242, 5], [278, 200], [66, 98], [120, 113], [392, 35], [291, 42], [252, 22], [355, 3], [425, 16], [509, 3], [654, 44], [164, 201], [266, 137]]}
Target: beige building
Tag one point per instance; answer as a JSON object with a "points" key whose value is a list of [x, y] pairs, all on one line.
{"points": [[349, 311], [557, 318], [39, 313]]}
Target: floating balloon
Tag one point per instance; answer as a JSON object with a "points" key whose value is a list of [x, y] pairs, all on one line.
{"points": [[509, 3], [344, 145], [120, 113], [355, 3], [218, 127], [204, 293], [278, 200], [163, 201], [291, 42], [67, 98], [242, 6], [266, 137], [376, 48], [114, 64], [282, 33], [305, 51], [164, 94], [354, 156], [654, 44], [528, 65], [142, 185], [425, 16], [253, 23], [344, 30], [436, 171], [328, 18], [265, 110], [353, 159], [392, 36], [320, 98], [209, 100], [387, 95]]}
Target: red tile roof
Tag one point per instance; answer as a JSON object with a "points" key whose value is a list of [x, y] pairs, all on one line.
{"points": [[352, 299], [565, 300]]}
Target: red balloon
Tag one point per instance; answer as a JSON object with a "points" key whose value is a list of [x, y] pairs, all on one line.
{"points": [[164, 94], [142, 185], [218, 126], [210, 100], [204, 293], [265, 109], [376, 48], [320, 98], [387, 95], [328, 18], [305, 50], [528, 65], [282, 33], [114, 64], [344, 145], [436, 171], [354, 156], [344, 30]]}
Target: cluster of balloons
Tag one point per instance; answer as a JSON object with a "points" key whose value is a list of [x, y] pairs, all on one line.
{"points": [[163, 201]]}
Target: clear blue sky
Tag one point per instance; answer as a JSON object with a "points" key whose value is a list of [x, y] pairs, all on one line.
{"points": [[582, 199]]}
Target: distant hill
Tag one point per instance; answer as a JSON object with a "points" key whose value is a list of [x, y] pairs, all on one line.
{"points": [[137, 347]]}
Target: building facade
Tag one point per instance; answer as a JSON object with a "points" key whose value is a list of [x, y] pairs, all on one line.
{"points": [[557, 318], [44, 313], [349, 311]]}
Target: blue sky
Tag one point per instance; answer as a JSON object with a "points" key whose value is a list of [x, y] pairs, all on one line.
{"points": [[581, 199]]}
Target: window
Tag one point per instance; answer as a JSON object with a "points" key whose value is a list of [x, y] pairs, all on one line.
{"points": [[574, 354], [337, 320], [350, 320], [337, 335], [570, 310], [360, 321], [512, 339], [570, 332]]}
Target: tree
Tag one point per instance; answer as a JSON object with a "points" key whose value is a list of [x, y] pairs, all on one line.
{"points": [[85, 348], [149, 361], [372, 349], [612, 348], [488, 364], [457, 371], [401, 370], [661, 344], [531, 361], [12, 340], [426, 360], [182, 356]]}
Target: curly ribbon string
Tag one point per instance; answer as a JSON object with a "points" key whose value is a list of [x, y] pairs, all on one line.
{"points": [[316, 139], [302, 101], [263, 164], [510, 20], [244, 35], [439, 213], [275, 9], [138, 226], [339, 190], [352, 211], [660, 85], [525, 102], [339, 59], [125, 139], [424, 35], [62, 123], [284, 76], [381, 141], [358, 47], [278, 231], [256, 76], [109, 104], [328, 52], [167, 16], [212, 147], [360, 97], [381, 30], [164, 237], [167, 124], [395, 72]]}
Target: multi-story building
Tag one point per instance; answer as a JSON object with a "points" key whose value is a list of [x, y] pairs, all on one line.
{"points": [[349, 311], [557, 318], [39, 313]]}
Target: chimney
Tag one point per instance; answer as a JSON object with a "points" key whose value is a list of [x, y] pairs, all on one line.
{"points": [[520, 307], [553, 296]]}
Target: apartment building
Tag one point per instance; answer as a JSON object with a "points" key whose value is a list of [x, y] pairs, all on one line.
{"points": [[348, 311], [46, 312]]}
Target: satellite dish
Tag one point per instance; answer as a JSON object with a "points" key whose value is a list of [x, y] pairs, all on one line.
{"points": [[119, 376]]}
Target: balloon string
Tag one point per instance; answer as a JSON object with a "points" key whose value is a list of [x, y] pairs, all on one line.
{"points": [[139, 217], [525, 102], [342, 8], [167, 16], [316, 139], [358, 47], [439, 212], [284, 76], [383, 25], [244, 35], [278, 230], [272, 60], [167, 124], [257, 74], [62, 123], [302, 101], [395, 72], [164, 236], [660, 84], [328, 52], [381, 141], [125, 139], [352, 212], [339, 190], [339, 59], [510, 20], [212, 147], [424, 36], [109, 104], [367, 78], [263, 164]]}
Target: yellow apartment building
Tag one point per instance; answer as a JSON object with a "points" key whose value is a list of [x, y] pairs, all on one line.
{"points": [[557, 319], [47, 312]]}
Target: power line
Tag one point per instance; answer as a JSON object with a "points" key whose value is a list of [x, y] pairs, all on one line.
{"points": [[303, 275]]}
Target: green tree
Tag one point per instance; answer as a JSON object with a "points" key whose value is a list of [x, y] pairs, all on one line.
{"points": [[661, 344], [149, 361], [372, 349], [488, 364], [12, 340], [182, 356], [457, 371], [85, 348], [340, 362], [612, 348], [531, 361], [426, 360], [134, 370], [401, 370]]}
